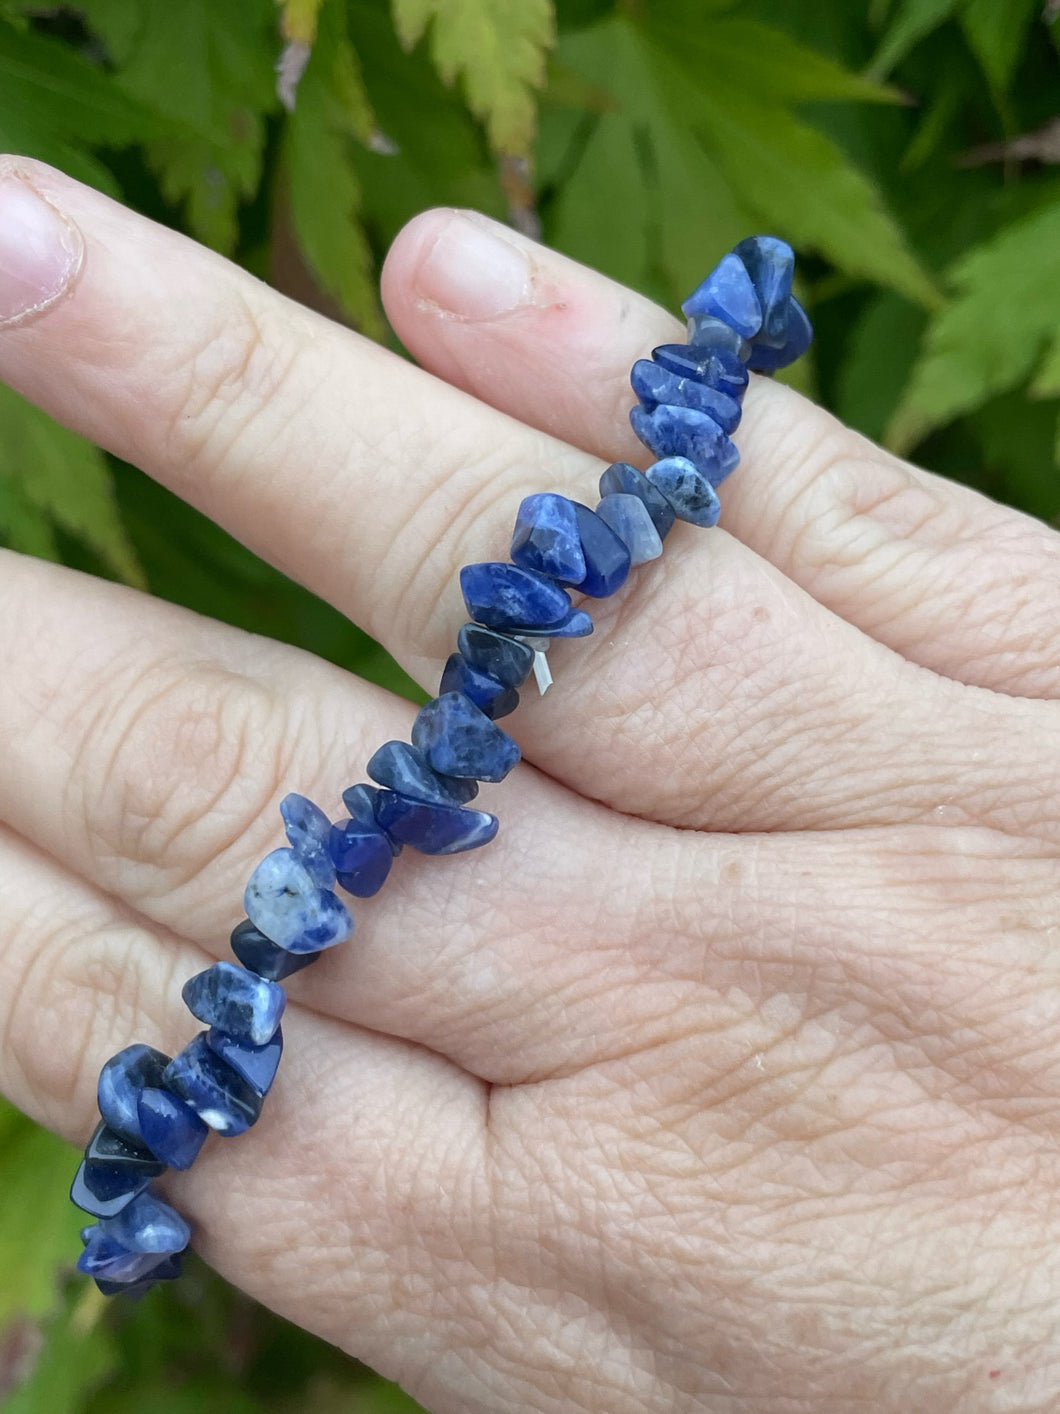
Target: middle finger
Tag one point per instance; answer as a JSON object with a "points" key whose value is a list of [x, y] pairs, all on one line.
{"points": [[733, 701]]}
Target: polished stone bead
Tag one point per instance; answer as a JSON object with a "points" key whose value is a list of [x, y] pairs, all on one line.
{"points": [[404, 768], [248, 1007], [546, 539], [716, 368], [509, 598], [149, 1225], [497, 654], [261, 955], [574, 624], [256, 1064], [282, 900], [168, 1269], [361, 801], [112, 1173], [771, 264], [620, 477], [307, 833], [606, 557], [654, 384], [765, 359], [435, 829], [221, 1098], [727, 294], [487, 693], [171, 1129], [709, 335], [137, 1245], [109, 1262], [460, 740], [680, 432], [120, 1082], [363, 856], [687, 489], [628, 517]]}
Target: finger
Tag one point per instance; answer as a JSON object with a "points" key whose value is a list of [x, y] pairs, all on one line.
{"points": [[340, 1206], [147, 749], [934, 570], [731, 642]]}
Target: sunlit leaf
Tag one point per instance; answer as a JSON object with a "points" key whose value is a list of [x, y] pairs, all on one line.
{"points": [[497, 47], [1006, 305], [298, 19], [51, 479]]}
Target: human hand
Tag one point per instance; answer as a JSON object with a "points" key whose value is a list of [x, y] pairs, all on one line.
{"points": [[727, 1077]]}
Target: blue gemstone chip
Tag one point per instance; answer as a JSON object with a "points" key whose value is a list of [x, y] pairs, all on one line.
{"points": [[497, 654], [488, 693], [218, 1095], [770, 263], [460, 740], [121, 1082], [546, 540], [629, 518], [363, 856], [261, 955], [401, 767], [257, 1065], [289, 908], [728, 294], [236, 1001], [620, 477], [307, 833], [171, 1129], [680, 432], [435, 829], [112, 1173], [505, 597], [799, 337], [687, 489], [654, 384]]}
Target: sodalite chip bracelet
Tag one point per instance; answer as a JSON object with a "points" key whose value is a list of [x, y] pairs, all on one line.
{"points": [[156, 1111]]}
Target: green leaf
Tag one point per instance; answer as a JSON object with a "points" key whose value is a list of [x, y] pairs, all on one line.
{"points": [[1047, 380], [207, 71], [51, 479], [996, 33], [767, 61], [1006, 305], [331, 111], [794, 179], [915, 20], [54, 105], [640, 163], [498, 47], [38, 1225], [876, 363]]}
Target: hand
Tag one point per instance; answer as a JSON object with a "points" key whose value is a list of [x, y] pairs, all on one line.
{"points": [[727, 1078]]}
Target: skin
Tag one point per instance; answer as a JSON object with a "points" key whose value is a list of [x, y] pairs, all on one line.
{"points": [[727, 1078]]}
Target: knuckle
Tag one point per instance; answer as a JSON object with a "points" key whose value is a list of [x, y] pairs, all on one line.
{"points": [[175, 763], [87, 987], [229, 381]]}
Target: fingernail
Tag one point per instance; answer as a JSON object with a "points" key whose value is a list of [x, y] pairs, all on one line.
{"points": [[474, 272], [40, 251]]}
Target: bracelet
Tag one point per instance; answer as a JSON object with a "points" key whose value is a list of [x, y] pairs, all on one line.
{"points": [[156, 1111]]}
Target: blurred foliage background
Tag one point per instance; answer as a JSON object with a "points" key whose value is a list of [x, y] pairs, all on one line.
{"points": [[907, 148]]}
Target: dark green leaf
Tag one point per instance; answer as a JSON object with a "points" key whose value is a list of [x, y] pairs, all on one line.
{"points": [[52, 479], [1006, 305]]}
